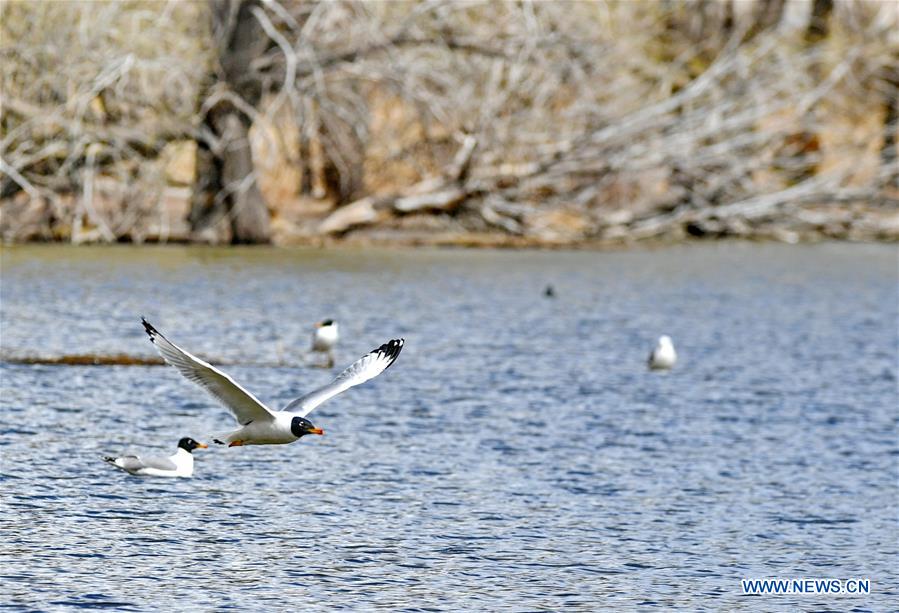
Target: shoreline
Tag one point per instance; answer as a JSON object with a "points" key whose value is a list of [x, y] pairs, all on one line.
{"points": [[474, 244], [853, 223]]}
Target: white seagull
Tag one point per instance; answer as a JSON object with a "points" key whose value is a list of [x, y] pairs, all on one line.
{"points": [[324, 338], [260, 425], [663, 356], [181, 464]]}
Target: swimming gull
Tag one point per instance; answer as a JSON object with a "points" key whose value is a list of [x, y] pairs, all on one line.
{"points": [[180, 464], [324, 338], [663, 356]]}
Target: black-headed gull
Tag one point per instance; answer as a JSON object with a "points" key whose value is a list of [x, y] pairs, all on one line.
{"points": [[324, 338], [260, 425], [663, 356], [180, 464]]}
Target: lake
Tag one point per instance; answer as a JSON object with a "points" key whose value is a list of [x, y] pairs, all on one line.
{"points": [[518, 455]]}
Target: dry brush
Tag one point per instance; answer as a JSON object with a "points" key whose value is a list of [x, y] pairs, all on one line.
{"points": [[554, 122]]}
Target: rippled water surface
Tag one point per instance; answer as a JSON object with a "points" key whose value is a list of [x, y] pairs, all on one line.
{"points": [[517, 456]]}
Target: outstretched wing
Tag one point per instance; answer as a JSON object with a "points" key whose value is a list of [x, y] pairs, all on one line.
{"points": [[243, 405], [367, 367]]}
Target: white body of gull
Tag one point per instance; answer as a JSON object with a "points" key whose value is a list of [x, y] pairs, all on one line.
{"points": [[260, 425], [181, 464], [663, 356], [324, 339]]}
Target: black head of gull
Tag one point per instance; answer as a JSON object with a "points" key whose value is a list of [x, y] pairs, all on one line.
{"points": [[188, 444], [300, 426], [325, 323]]}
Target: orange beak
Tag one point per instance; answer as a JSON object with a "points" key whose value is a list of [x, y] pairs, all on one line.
{"points": [[318, 431], [202, 446]]}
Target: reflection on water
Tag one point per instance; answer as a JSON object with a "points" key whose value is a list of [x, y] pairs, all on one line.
{"points": [[518, 455]]}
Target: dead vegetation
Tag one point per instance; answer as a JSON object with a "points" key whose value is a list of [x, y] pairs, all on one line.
{"points": [[529, 122], [86, 360], [121, 359]]}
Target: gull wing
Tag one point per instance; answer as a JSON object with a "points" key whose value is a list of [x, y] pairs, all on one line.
{"points": [[367, 367], [133, 463], [243, 405]]}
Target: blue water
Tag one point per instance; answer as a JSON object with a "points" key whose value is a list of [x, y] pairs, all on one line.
{"points": [[518, 455]]}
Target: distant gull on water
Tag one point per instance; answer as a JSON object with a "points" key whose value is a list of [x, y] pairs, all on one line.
{"points": [[324, 338], [663, 356]]}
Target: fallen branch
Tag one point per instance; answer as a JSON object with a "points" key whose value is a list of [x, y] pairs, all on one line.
{"points": [[443, 193]]}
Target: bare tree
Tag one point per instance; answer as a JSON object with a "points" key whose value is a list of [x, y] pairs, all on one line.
{"points": [[890, 116], [226, 191]]}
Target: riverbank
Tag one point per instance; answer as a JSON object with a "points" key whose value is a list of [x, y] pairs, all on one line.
{"points": [[366, 222], [620, 230]]}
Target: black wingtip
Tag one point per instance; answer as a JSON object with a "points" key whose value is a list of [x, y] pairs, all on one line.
{"points": [[391, 350], [109, 459], [151, 331]]}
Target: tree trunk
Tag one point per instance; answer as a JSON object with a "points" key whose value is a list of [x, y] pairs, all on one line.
{"points": [[226, 202], [769, 13], [888, 152], [727, 24], [767, 16], [819, 21]]}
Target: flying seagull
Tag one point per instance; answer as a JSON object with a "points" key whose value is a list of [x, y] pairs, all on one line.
{"points": [[260, 425], [180, 464], [663, 356], [324, 338]]}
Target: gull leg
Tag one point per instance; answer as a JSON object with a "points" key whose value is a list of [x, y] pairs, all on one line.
{"points": [[235, 444]]}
